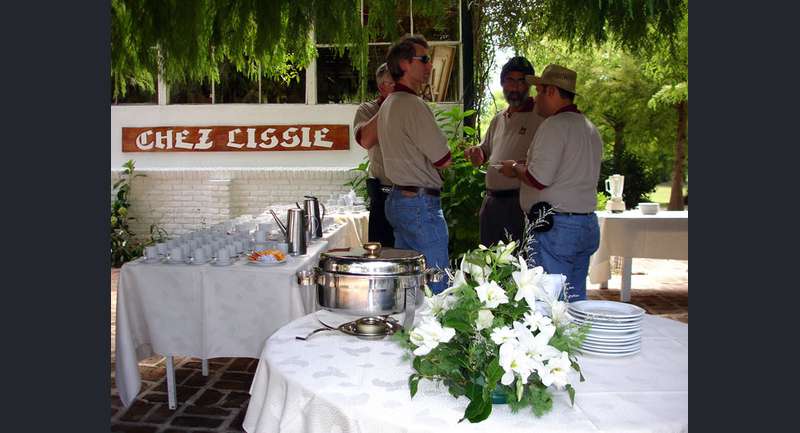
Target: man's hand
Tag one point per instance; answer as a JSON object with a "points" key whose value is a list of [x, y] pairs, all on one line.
{"points": [[508, 169], [475, 155]]}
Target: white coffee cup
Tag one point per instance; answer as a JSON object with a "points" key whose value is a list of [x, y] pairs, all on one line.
{"points": [[261, 235], [162, 248], [231, 249], [176, 254], [150, 253], [223, 256], [208, 249], [199, 255], [648, 208]]}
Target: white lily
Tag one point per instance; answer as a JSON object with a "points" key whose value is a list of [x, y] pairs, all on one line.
{"points": [[485, 318], [502, 335], [536, 320], [437, 304], [535, 347], [504, 252], [528, 282], [558, 311], [478, 273], [513, 360], [556, 371], [429, 334], [491, 294], [459, 279], [550, 287]]}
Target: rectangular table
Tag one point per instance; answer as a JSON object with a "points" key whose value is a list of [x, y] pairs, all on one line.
{"points": [[204, 311], [630, 234]]}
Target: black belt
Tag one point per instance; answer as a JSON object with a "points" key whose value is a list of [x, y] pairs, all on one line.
{"points": [[573, 213], [502, 193], [419, 189]]}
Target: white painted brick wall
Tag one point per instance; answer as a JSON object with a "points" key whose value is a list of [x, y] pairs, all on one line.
{"points": [[182, 200]]}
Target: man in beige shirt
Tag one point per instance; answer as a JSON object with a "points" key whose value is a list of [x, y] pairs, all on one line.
{"points": [[562, 169], [508, 137], [414, 149], [365, 126]]}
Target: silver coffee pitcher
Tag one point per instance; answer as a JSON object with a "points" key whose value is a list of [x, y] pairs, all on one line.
{"points": [[311, 205], [297, 231]]}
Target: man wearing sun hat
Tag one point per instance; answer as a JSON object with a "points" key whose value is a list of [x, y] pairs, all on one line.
{"points": [[562, 169]]}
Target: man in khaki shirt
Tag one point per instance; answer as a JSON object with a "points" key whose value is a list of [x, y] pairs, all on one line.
{"points": [[509, 136], [365, 126], [414, 149], [562, 169]]}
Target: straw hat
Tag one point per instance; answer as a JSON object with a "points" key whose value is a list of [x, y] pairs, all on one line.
{"points": [[555, 75]]}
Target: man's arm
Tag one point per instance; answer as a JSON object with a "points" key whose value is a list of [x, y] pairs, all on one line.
{"points": [[367, 133], [519, 170]]}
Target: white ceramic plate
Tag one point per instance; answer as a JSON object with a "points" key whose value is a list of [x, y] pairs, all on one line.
{"points": [[608, 309], [602, 319], [152, 261], [612, 347], [609, 355], [608, 327], [260, 263], [607, 324], [599, 338]]}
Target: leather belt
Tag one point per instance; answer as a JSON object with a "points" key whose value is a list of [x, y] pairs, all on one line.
{"points": [[502, 193], [573, 213], [419, 189]]}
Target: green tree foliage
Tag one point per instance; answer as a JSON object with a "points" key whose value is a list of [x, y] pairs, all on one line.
{"points": [[190, 39]]}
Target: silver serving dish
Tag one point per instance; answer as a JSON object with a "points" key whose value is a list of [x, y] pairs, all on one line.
{"points": [[371, 281]]}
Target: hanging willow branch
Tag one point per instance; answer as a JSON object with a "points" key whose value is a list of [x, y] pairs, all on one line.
{"points": [[194, 37]]}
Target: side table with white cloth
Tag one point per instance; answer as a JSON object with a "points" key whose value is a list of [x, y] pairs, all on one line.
{"points": [[630, 234], [356, 228], [337, 383], [203, 311]]}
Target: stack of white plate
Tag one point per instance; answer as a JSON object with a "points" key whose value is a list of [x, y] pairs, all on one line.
{"points": [[616, 327]]}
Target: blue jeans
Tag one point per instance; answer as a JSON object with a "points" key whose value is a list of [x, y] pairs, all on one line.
{"points": [[566, 249], [419, 225]]}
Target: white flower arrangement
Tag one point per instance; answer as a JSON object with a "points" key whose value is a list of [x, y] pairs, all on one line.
{"points": [[499, 331]]}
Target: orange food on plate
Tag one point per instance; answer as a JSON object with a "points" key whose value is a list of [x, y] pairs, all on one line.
{"points": [[279, 256]]}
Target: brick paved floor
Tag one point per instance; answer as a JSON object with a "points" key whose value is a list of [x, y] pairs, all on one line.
{"points": [[217, 403]]}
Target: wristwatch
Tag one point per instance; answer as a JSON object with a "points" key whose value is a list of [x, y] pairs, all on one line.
{"points": [[514, 165]]}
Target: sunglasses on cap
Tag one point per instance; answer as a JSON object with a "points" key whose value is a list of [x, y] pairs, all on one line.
{"points": [[423, 59]]}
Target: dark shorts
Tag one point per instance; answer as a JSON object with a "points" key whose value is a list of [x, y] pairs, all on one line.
{"points": [[498, 215], [379, 228]]}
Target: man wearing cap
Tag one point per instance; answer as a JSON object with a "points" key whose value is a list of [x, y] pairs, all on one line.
{"points": [[365, 126], [414, 148], [562, 169], [508, 137]]}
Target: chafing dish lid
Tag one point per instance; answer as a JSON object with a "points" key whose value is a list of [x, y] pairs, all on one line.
{"points": [[372, 259]]}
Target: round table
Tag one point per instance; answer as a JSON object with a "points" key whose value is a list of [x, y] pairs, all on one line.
{"points": [[335, 383]]}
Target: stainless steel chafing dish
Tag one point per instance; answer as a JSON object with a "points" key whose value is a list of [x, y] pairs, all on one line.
{"points": [[371, 281]]}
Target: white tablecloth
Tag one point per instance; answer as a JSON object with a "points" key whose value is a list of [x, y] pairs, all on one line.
{"points": [[356, 228], [204, 311], [334, 383], [664, 235]]}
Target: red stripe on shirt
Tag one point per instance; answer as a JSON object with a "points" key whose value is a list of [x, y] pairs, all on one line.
{"points": [[442, 161], [571, 108], [536, 183]]}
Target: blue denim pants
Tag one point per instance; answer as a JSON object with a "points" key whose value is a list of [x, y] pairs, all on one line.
{"points": [[419, 225], [566, 249]]}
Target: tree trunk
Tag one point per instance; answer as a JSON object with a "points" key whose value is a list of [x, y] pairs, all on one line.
{"points": [[619, 145], [676, 195]]}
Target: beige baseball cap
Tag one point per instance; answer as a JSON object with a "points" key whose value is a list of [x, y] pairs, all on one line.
{"points": [[555, 75]]}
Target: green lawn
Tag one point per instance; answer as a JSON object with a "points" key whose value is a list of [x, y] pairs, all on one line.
{"points": [[661, 195]]}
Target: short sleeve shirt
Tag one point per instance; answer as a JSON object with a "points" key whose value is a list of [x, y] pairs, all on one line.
{"points": [[411, 141], [363, 115], [508, 137], [565, 157]]}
